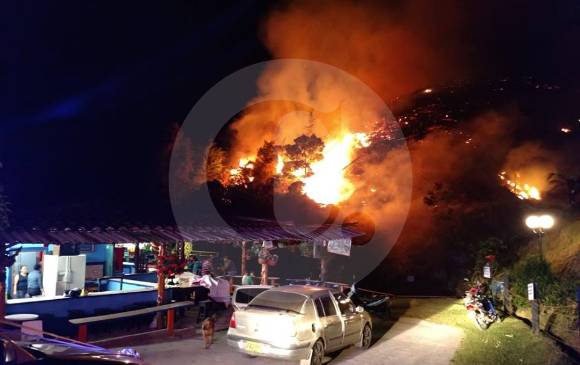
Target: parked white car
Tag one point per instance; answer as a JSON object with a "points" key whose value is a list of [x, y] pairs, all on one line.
{"points": [[245, 293], [300, 323]]}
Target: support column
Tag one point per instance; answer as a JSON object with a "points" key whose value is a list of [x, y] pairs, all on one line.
{"points": [[160, 279], [138, 267], [83, 333], [264, 275], [171, 322], [244, 263], [535, 316], [160, 287], [324, 264]]}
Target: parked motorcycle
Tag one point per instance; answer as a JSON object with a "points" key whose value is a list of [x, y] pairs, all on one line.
{"points": [[376, 304], [480, 307]]}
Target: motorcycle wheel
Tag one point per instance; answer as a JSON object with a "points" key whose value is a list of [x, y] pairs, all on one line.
{"points": [[480, 321]]}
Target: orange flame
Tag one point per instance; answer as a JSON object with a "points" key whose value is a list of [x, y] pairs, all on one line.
{"points": [[522, 191], [328, 184], [280, 165]]}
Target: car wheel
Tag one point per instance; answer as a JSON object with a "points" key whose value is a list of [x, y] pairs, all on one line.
{"points": [[317, 356], [366, 337]]}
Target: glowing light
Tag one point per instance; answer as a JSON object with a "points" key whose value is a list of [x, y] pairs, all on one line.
{"points": [[566, 130], [533, 222], [362, 139], [299, 173], [545, 221], [243, 162], [246, 163], [427, 91], [279, 165]]}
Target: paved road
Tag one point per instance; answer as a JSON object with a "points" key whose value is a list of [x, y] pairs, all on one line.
{"points": [[408, 342]]}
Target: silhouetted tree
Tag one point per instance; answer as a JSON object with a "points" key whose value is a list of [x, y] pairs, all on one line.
{"points": [[265, 165], [570, 183], [302, 153], [6, 257]]}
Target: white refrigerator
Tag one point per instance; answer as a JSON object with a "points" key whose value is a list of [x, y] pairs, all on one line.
{"points": [[61, 273]]}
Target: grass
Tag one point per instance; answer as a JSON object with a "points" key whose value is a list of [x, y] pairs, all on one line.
{"points": [[507, 342]]}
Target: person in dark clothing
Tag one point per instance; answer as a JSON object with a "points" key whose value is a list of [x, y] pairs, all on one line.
{"points": [[20, 286], [35, 282], [194, 265]]}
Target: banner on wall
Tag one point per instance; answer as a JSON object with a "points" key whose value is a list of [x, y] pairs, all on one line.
{"points": [[340, 246]]}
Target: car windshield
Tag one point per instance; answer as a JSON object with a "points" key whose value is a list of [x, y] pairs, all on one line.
{"points": [[279, 300], [245, 295]]}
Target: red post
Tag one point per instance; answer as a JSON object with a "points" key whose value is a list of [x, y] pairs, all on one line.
{"points": [[170, 321], [83, 333]]}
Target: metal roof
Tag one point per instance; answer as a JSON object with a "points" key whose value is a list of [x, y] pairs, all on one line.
{"points": [[261, 231]]}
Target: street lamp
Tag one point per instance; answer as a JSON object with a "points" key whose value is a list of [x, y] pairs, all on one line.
{"points": [[539, 224]]}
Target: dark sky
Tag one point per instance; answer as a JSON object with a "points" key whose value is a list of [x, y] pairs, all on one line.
{"points": [[91, 90]]}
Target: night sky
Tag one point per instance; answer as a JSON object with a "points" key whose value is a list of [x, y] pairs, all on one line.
{"points": [[92, 91]]}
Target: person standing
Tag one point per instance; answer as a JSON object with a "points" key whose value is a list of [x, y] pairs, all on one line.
{"points": [[248, 279], [20, 286], [35, 282], [206, 267], [229, 267], [196, 266]]}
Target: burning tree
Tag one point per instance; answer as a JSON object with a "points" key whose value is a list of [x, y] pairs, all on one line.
{"points": [[300, 155], [309, 166]]}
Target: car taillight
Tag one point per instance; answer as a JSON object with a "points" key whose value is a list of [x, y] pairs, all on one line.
{"points": [[233, 321]]}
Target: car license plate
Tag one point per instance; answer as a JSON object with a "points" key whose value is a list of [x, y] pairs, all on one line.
{"points": [[253, 347]]}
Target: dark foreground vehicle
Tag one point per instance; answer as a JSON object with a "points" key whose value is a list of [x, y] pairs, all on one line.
{"points": [[18, 348]]}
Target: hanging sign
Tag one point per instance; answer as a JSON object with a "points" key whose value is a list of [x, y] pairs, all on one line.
{"points": [[340, 246], [531, 292], [267, 244], [487, 271]]}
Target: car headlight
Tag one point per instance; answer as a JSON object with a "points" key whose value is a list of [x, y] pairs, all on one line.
{"points": [[129, 353]]}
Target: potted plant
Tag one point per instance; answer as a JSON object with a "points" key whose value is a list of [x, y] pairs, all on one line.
{"points": [[170, 265]]}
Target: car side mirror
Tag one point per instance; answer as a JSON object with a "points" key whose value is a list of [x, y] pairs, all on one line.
{"points": [[359, 309]]}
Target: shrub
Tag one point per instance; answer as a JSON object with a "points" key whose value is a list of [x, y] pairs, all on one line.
{"points": [[549, 288]]}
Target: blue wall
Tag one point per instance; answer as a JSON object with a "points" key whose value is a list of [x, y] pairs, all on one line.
{"points": [[55, 313], [115, 284], [102, 253], [150, 277]]}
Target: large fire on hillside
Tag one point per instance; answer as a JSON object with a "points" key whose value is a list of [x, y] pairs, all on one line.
{"points": [[325, 179]]}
